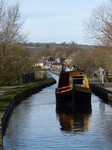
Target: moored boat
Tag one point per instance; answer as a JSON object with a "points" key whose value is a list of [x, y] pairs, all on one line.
{"points": [[73, 86]]}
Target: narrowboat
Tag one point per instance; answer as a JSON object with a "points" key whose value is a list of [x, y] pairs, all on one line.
{"points": [[73, 86]]}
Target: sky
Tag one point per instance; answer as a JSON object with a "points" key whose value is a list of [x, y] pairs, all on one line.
{"points": [[56, 20]]}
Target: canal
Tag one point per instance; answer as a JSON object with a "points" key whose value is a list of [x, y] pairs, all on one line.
{"points": [[38, 124]]}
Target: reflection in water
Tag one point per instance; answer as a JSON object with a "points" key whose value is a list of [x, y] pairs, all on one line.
{"points": [[74, 119], [102, 108], [106, 114]]}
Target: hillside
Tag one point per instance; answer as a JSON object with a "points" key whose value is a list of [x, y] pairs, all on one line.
{"points": [[85, 56]]}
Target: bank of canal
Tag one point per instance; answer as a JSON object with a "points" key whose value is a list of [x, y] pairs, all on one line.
{"points": [[37, 123], [12, 95]]}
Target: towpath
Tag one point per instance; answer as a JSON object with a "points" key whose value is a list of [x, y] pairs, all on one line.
{"points": [[107, 86], [105, 92], [7, 88]]}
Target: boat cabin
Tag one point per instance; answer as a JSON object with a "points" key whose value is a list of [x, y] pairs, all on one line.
{"points": [[72, 78]]}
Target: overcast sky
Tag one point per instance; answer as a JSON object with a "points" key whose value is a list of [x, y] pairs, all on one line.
{"points": [[56, 20]]}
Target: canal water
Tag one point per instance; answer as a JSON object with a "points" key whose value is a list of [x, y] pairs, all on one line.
{"points": [[38, 124]]}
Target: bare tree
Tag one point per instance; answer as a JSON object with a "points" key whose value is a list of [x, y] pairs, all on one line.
{"points": [[99, 26], [14, 58], [10, 24]]}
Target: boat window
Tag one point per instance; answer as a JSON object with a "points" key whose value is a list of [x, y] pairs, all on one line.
{"points": [[77, 80], [64, 80]]}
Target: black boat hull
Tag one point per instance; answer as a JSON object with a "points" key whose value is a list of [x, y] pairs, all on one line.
{"points": [[80, 97], [74, 96], [65, 97]]}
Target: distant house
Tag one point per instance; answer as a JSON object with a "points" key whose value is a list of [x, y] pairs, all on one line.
{"points": [[40, 62], [68, 61], [50, 62], [51, 59], [45, 62], [58, 60], [56, 65]]}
